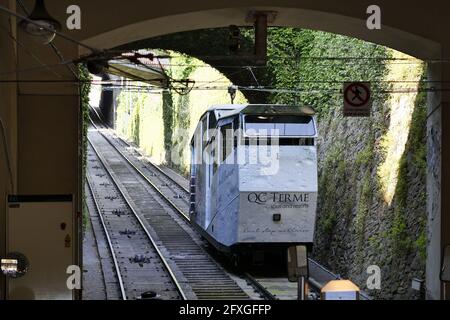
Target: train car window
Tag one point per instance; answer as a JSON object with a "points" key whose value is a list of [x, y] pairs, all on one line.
{"points": [[235, 131], [236, 122], [204, 129], [214, 153], [281, 141], [212, 122], [296, 141], [215, 164], [212, 165], [265, 128], [226, 134], [299, 129], [198, 144], [193, 151], [282, 125]]}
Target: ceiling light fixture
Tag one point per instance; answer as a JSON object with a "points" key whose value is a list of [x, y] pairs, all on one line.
{"points": [[40, 24]]}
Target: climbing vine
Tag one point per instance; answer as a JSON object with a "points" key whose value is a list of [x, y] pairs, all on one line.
{"points": [[167, 107], [85, 87]]}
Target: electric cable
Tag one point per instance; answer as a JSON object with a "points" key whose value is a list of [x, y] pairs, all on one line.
{"points": [[7, 154], [30, 53]]}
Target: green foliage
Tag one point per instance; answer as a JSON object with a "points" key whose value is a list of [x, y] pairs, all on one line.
{"points": [[398, 233], [364, 160], [85, 88], [318, 80], [136, 123], [189, 67], [329, 192], [421, 242], [182, 112], [417, 135], [329, 222], [365, 201], [401, 191], [348, 206], [376, 242], [363, 209], [365, 157], [168, 115]]}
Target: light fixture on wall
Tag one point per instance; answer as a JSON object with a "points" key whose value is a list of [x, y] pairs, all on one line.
{"points": [[42, 26]]}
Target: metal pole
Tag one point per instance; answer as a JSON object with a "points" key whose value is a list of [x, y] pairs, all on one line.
{"points": [[302, 287], [261, 38]]}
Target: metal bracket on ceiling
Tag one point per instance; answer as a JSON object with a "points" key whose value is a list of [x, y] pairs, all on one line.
{"points": [[260, 20], [253, 15]]}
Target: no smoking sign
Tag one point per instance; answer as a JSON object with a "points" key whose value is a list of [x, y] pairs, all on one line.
{"points": [[357, 99]]}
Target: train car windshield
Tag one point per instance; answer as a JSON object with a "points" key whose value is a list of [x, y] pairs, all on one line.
{"points": [[282, 125]]}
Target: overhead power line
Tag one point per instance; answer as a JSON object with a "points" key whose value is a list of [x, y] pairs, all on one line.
{"points": [[278, 90], [201, 82]]}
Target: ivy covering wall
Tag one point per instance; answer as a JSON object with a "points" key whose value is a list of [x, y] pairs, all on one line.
{"points": [[85, 88]]}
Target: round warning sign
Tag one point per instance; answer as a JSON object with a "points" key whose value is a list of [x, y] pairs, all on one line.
{"points": [[357, 94]]}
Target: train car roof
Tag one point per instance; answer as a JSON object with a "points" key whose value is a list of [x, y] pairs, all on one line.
{"points": [[227, 110]]}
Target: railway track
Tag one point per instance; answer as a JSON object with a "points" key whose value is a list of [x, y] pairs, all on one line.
{"points": [[176, 195], [162, 182], [107, 287], [164, 219], [169, 188], [139, 266]]}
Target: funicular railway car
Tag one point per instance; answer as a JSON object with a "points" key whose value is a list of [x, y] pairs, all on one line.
{"points": [[254, 178]]}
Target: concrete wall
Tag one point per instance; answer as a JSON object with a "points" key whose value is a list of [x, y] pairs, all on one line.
{"points": [[8, 114], [434, 131], [49, 133], [445, 153], [41, 120], [48, 159]]}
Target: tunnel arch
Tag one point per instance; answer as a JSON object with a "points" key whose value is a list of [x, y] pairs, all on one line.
{"points": [[417, 29], [391, 37]]}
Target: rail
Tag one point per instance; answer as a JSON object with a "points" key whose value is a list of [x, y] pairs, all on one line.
{"points": [[149, 236]]}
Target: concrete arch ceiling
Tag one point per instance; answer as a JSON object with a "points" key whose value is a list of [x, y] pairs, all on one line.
{"points": [[145, 20]]}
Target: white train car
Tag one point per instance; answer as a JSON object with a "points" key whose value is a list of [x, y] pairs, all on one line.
{"points": [[254, 177]]}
